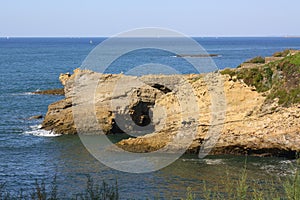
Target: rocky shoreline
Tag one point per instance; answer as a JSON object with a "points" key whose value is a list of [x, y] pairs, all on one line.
{"points": [[256, 122]]}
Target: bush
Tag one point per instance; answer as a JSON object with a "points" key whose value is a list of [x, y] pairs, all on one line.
{"points": [[281, 78], [260, 78], [282, 53], [257, 60], [230, 72]]}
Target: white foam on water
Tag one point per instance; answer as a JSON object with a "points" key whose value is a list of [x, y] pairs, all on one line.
{"points": [[285, 168], [23, 94], [37, 131], [206, 161], [214, 161], [286, 162]]}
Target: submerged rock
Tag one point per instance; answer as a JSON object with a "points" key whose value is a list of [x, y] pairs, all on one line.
{"points": [[59, 91], [36, 117]]}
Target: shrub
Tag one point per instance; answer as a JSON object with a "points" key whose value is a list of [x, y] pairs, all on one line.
{"points": [[257, 60], [282, 53], [281, 78], [261, 79], [230, 72]]}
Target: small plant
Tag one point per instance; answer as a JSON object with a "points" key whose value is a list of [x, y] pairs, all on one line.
{"points": [[206, 192], [103, 192], [292, 185], [242, 187], [189, 194], [40, 191]]}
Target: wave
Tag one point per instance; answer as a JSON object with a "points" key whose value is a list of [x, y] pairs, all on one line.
{"points": [[23, 94], [37, 131], [26, 93]]}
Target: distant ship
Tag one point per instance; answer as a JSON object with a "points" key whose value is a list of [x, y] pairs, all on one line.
{"points": [[91, 41]]}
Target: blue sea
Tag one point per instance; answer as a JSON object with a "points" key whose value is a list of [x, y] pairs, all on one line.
{"points": [[26, 154]]}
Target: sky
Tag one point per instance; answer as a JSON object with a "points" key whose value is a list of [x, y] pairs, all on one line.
{"points": [[90, 18]]}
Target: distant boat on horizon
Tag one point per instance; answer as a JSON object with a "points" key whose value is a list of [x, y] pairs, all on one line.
{"points": [[91, 41]]}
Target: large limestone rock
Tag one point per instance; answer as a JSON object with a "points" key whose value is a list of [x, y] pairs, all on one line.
{"points": [[248, 125]]}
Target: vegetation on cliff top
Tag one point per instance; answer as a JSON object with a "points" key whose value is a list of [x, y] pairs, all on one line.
{"points": [[280, 78], [256, 60], [282, 53]]}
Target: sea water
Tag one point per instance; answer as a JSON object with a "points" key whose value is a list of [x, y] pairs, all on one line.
{"points": [[28, 153]]}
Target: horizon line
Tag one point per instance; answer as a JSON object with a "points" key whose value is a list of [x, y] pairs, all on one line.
{"points": [[206, 36]]}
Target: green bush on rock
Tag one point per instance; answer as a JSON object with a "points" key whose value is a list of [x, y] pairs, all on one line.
{"points": [[281, 78], [282, 53], [256, 60]]}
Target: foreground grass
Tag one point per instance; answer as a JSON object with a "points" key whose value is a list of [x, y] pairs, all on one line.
{"points": [[241, 188], [244, 189], [235, 188], [41, 192]]}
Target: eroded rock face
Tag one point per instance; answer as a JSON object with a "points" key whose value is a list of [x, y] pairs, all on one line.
{"points": [[249, 127]]}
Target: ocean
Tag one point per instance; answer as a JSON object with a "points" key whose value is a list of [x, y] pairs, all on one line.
{"points": [[27, 154]]}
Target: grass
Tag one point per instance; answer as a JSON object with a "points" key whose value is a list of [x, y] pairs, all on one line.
{"points": [[244, 189], [240, 188], [41, 192], [292, 185]]}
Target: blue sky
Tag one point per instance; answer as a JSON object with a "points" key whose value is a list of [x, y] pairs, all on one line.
{"points": [[191, 17]]}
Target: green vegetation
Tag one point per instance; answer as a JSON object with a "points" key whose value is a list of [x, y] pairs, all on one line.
{"points": [[240, 188], [282, 53], [256, 60], [230, 72], [41, 192], [286, 85], [292, 185], [281, 78], [261, 78], [244, 189]]}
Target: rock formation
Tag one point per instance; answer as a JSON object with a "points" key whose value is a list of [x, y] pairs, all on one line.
{"points": [[154, 108]]}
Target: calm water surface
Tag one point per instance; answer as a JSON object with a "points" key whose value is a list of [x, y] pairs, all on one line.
{"points": [[30, 64]]}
